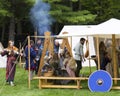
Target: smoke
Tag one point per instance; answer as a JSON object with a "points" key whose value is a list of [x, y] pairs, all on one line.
{"points": [[40, 17]]}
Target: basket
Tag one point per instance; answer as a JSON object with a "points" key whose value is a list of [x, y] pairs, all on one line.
{"points": [[48, 74]]}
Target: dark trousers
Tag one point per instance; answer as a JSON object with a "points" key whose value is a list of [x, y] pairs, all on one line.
{"points": [[37, 66], [79, 67]]}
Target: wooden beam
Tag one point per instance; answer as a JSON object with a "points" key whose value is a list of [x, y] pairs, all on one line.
{"points": [[62, 78], [60, 86], [116, 87]]}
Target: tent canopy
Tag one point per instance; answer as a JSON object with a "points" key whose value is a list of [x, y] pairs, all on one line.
{"points": [[107, 28], [104, 29], [76, 30]]}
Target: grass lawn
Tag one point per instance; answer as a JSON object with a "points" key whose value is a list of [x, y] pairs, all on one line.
{"points": [[21, 88]]}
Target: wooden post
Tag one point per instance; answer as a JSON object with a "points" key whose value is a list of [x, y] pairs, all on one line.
{"points": [[35, 34], [98, 54], [29, 62], [87, 49], [78, 84], [114, 57], [71, 41], [40, 84], [20, 63]]}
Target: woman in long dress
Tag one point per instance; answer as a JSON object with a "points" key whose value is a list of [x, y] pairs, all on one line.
{"points": [[12, 52]]}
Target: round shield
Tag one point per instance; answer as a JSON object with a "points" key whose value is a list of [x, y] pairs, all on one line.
{"points": [[100, 81]]}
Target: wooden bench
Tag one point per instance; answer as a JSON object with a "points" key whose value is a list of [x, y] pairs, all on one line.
{"points": [[46, 85]]}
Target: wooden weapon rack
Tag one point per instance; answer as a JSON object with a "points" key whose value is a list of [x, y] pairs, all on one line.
{"points": [[48, 46]]}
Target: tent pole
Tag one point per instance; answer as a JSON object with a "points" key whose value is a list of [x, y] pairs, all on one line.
{"points": [[114, 58], [29, 62], [71, 41], [89, 55], [20, 61], [98, 56]]}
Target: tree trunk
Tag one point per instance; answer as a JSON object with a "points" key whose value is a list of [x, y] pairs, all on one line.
{"points": [[3, 31], [19, 28], [71, 4], [56, 28], [12, 29], [79, 6]]}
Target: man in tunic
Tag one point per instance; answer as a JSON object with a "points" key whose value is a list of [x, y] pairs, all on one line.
{"points": [[79, 55], [32, 58]]}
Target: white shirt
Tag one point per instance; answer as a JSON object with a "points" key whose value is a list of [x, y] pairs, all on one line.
{"points": [[78, 51]]}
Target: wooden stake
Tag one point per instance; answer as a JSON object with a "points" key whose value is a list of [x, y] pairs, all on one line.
{"points": [[98, 54], [89, 55], [20, 60], [29, 62], [35, 34], [114, 57]]}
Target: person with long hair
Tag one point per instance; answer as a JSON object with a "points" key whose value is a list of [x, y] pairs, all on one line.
{"points": [[105, 58], [38, 48], [12, 52]]}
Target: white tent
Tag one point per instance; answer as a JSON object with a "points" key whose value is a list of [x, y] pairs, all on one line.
{"points": [[2, 59], [105, 30]]}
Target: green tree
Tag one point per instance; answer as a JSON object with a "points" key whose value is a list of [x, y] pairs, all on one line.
{"points": [[15, 15], [104, 9], [4, 14], [13, 12], [69, 12], [64, 12], [116, 9]]}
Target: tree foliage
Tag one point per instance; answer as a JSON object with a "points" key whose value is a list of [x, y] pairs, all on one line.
{"points": [[104, 9], [116, 9], [64, 13], [13, 12]]}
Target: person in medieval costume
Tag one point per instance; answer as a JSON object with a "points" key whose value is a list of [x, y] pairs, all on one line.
{"points": [[61, 58], [105, 57], [12, 52], [38, 48], [32, 58], [109, 67], [56, 46], [70, 64]]}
